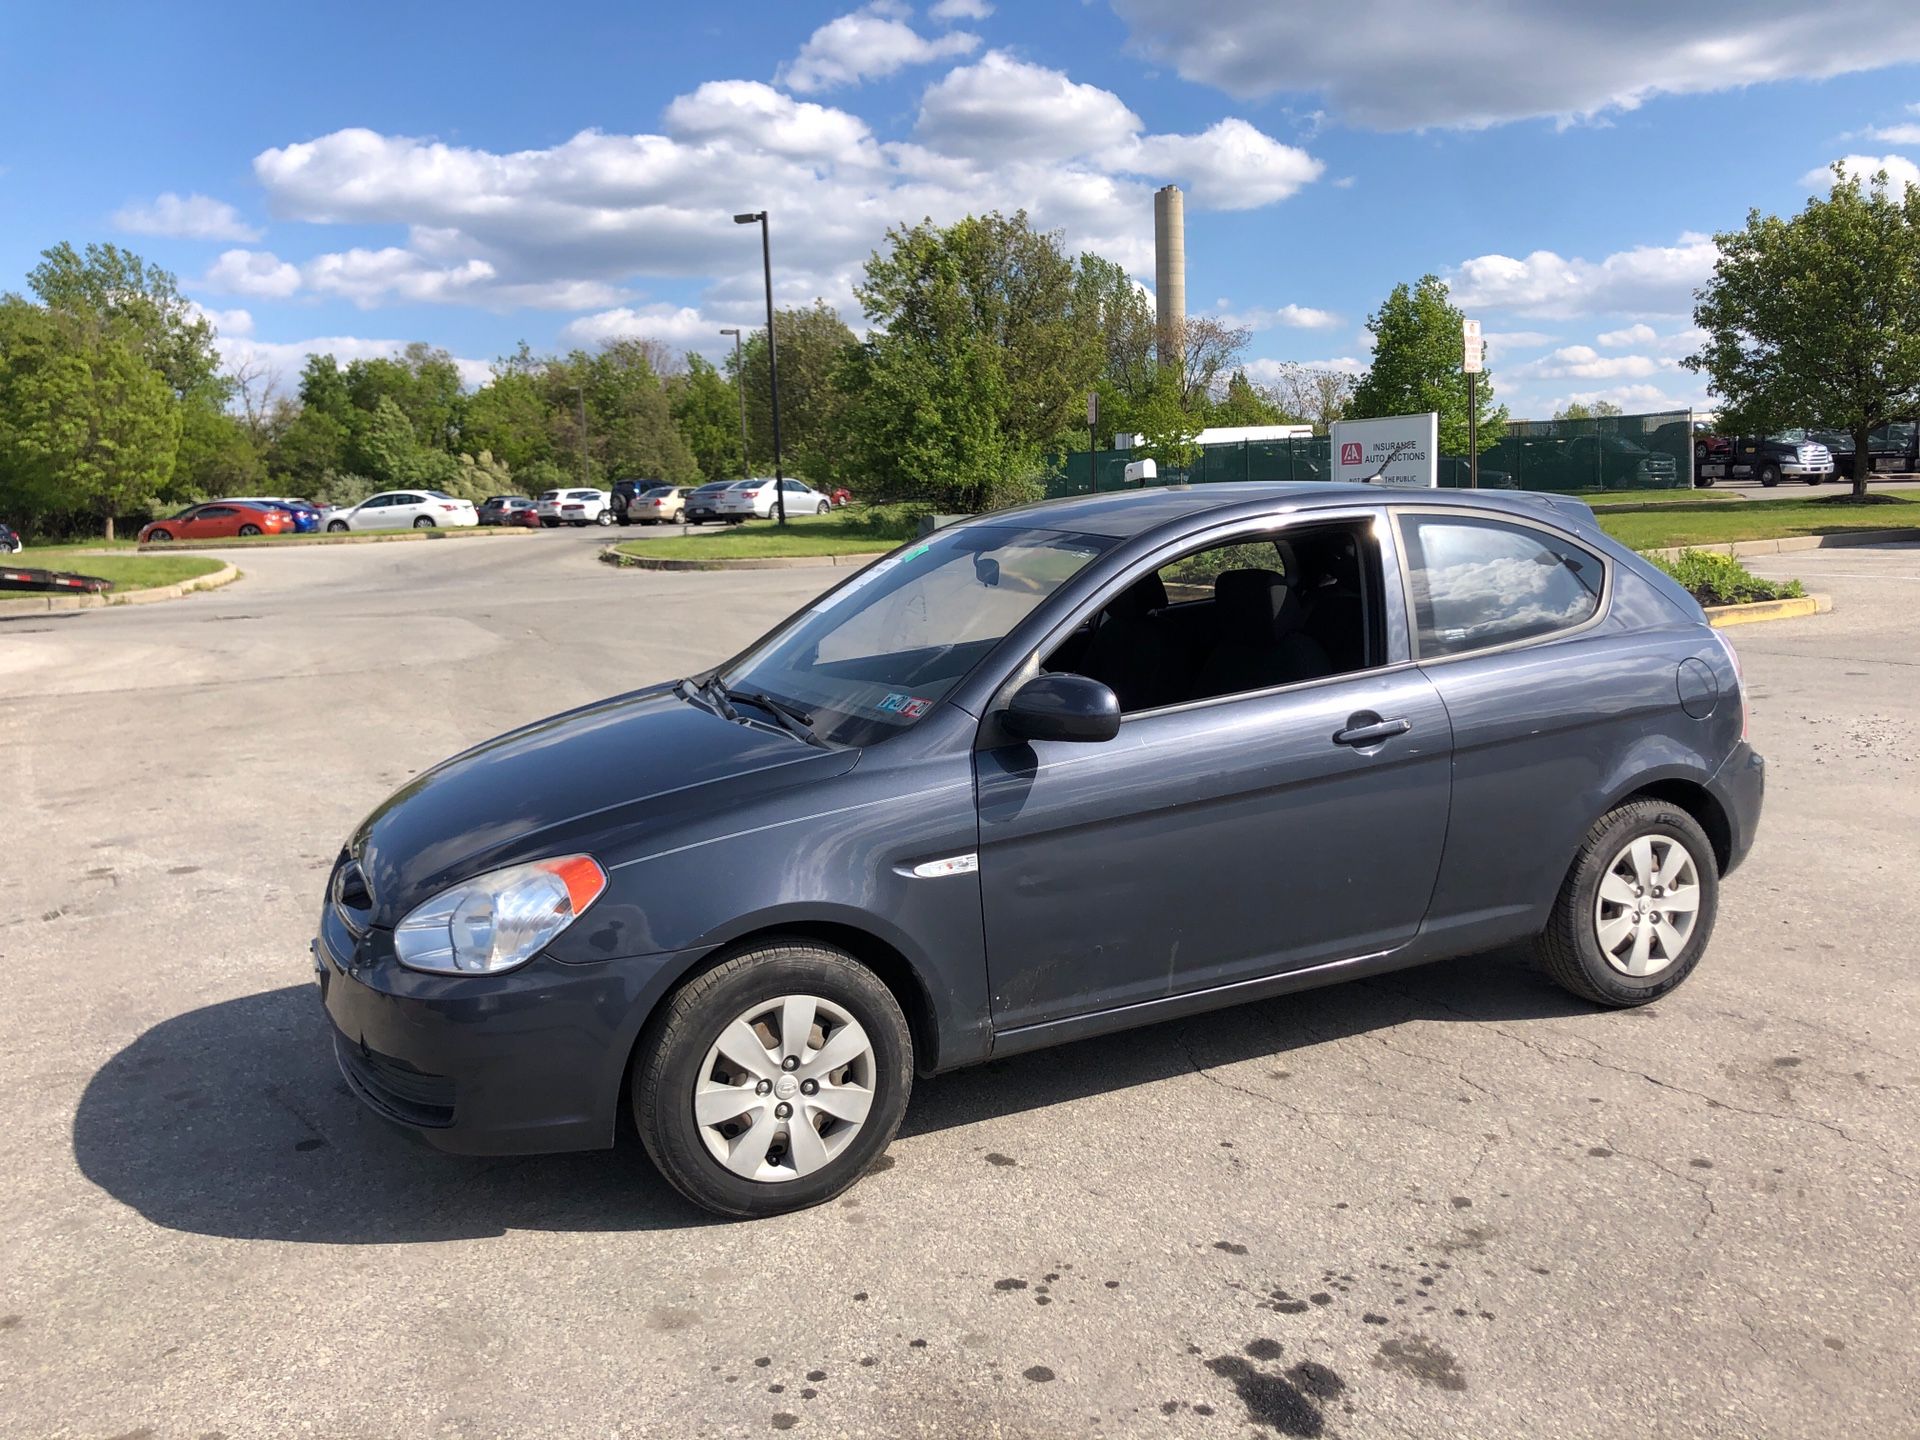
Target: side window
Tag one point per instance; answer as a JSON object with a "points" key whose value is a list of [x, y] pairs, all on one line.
{"points": [[1479, 583], [790, 486], [1254, 614]]}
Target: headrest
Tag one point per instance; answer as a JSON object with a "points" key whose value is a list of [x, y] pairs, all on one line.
{"points": [[1139, 599], [1254, 607]]}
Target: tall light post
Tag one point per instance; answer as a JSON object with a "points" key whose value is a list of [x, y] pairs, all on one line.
{"points": [[773, 364], [581, 392], [740, 387]]}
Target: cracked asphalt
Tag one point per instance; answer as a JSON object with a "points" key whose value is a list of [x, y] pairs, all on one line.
{"points": [[1449, 1202]]}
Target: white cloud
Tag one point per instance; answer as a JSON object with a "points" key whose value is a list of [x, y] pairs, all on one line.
{"points": [[1410, 64], [227, 324], [1649, 279], [288, 356], [1900, 170], [1633, 399], [1345, 182], [681, 326], [1636, 334], [1583, 362], [1293, 317], [193, 217], [949, 10], [747, 112], [1266, 372], [1002, 106], [1229, 166], [1896, 134], [866, 45], [259, 273]]}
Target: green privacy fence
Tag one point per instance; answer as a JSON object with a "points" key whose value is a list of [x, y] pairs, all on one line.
{"points": [[1611, 452]]}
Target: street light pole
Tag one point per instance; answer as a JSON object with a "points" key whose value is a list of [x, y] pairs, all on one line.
{"points": [[773, 364], [740, 387], [581, 391]]}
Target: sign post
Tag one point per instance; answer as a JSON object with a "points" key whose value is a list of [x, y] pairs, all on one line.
{"points": [[1400, 450], [1093, 431], [1470, 360]]}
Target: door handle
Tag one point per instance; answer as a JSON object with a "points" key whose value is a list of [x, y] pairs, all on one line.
{"points": [[1367, 728]]}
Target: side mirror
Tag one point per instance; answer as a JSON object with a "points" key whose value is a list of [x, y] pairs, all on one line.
{"points": [[1062, 707]]}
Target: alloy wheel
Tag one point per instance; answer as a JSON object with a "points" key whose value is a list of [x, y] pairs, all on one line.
{"points": [[785, 1088], [1648, 902]]}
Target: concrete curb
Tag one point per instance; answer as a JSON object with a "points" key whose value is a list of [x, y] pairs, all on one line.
{"points": [[1791, 543], [46, 604], [280, 542], [1721, 616], [760, 562]]}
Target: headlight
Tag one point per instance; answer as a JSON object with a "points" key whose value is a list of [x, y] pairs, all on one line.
{"points": [[498, 920]]}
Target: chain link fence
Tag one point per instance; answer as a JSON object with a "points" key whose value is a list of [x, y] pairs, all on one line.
{"points": [[1609, 452]]}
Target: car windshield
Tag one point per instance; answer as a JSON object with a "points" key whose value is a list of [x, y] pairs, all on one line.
{"points": [[1789, 437], [874, 656]]}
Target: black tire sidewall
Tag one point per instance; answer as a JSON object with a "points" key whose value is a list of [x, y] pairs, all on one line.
{"points": [[675, 1043], [1627, 824]]}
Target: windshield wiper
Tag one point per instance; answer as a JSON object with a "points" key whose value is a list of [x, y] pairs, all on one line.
{"points": [[710, 694], [792, 718]]}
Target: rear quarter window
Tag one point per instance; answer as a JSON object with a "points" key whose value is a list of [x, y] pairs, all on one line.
{"points": [[1478, 583]]}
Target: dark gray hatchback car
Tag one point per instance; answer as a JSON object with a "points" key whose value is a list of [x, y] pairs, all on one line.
{"points": [[1049, 773]]}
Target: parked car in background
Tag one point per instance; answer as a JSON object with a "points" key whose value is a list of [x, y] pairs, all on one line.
{"points": [[218, 520], [756, 499], [653, 504], [1891, 449], [404, 509], [1045, 774], [306, 517], [508, 510], [1788, 455], [10, 541], [841, 496], [574, 507], [703, 501], [622, 494]]}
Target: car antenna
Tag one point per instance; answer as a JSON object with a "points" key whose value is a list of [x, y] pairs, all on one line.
{"points": [[1392, 455]]}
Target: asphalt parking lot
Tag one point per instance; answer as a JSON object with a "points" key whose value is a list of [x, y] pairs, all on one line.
{"points": [[1449, 1202]]}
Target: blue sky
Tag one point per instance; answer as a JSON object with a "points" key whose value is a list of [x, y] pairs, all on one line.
{"points": [[351, 177]]}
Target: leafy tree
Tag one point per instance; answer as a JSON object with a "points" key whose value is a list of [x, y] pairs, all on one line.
{"points": [[1307, 395], [1208, 347], [1416, 367], [1115, 321], [1816, 319], [118, 288], [1169, 431], [706, 407], [812, 342], [1244, 404], [630, 429], [381, 444], [1581, 410], [509, 416], [423, 382], [216, 456]]}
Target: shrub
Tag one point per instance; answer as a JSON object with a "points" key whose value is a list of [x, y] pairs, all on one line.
{"points": [[1715, 579], [899, 521]]}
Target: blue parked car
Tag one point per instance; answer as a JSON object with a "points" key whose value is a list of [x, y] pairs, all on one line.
{"points": [[1046, 774], [306, 516]]}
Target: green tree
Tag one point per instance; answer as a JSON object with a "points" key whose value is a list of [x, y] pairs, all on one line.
{"points": [[1816, 319], [706, 407], [1416, 367], [1244, 404], [216, 456], [423, 382], [1581, 410], [381, 444], [509, 416], [1169, 431], [117, 287], [630, 428], [812, 342]]}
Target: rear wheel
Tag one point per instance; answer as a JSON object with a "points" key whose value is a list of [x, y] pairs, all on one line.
{"points": [[1636, 910], [772, 1081], [823, 507], [425, 522], [604, 518], [153, 537], [1769, 475], [247, 532]]}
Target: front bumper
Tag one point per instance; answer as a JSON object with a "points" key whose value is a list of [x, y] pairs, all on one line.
{"points": [[1800, 472], [1740, 788], [522, 1063]]}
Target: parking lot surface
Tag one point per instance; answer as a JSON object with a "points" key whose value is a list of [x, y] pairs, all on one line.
{"points": [[1448, 1202]]}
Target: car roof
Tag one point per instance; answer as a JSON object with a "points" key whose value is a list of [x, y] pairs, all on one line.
{"points": [[1122, 514]]}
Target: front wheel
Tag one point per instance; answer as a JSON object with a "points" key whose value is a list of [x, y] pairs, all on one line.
{"points": [[336, 527], [1635, 912], [1769, 475], [823, 508], [774, 1080]]}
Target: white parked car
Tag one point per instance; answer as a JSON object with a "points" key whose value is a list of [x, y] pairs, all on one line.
{"points": [[574, 507], [403, 509], [755, 500]]}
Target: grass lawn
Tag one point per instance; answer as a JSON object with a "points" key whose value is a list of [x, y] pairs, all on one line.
{"points": [[1714, 522], [53, 551], [1600, 499], [127, 572], [847, 532]]}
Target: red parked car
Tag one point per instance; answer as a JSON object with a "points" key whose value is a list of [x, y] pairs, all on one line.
{"points": [[217, 520], [841, 496]]}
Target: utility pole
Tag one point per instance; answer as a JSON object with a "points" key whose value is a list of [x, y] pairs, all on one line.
{"points": [[773, 363], [581, 392], [740, 388], [1470, 361]]}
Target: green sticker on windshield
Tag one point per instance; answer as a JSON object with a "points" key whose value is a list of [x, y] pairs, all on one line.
{"points": [[916, 552]]}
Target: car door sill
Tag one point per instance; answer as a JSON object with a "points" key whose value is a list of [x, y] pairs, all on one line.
{"points": [[1020, 1039]]}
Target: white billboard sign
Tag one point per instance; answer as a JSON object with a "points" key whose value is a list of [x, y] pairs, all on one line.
{"points": [[1400, 450]]}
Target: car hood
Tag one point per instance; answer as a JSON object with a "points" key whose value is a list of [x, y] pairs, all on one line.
{"points": [[587, 780]]}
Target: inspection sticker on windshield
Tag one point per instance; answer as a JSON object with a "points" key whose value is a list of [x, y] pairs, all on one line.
{"points": [[908, 705]]}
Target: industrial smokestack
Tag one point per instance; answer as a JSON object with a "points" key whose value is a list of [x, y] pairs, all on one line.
{"points": [[1170, 271]]}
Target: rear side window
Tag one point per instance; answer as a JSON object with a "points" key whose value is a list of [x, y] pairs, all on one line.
{"points": [[1478, 583]]}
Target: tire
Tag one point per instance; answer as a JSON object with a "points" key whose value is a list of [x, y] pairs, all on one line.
{"points": [[679, 1050], [603, 519], [1700, 452], [247, 532], [423, 522], [1572, 949], [336, 527], [157, 537], [1703, 482], [824, 508], [1769, 475]]}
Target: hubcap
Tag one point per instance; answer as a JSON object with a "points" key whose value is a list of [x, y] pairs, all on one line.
{"points": [[1648, 904], [785, 1088]]}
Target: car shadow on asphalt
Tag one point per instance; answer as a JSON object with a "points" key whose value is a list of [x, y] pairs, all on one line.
{"points": [[232, 1120]]}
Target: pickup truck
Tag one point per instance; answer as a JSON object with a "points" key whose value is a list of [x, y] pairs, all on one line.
{"points": [[1787, 455], [1891, 449]]}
